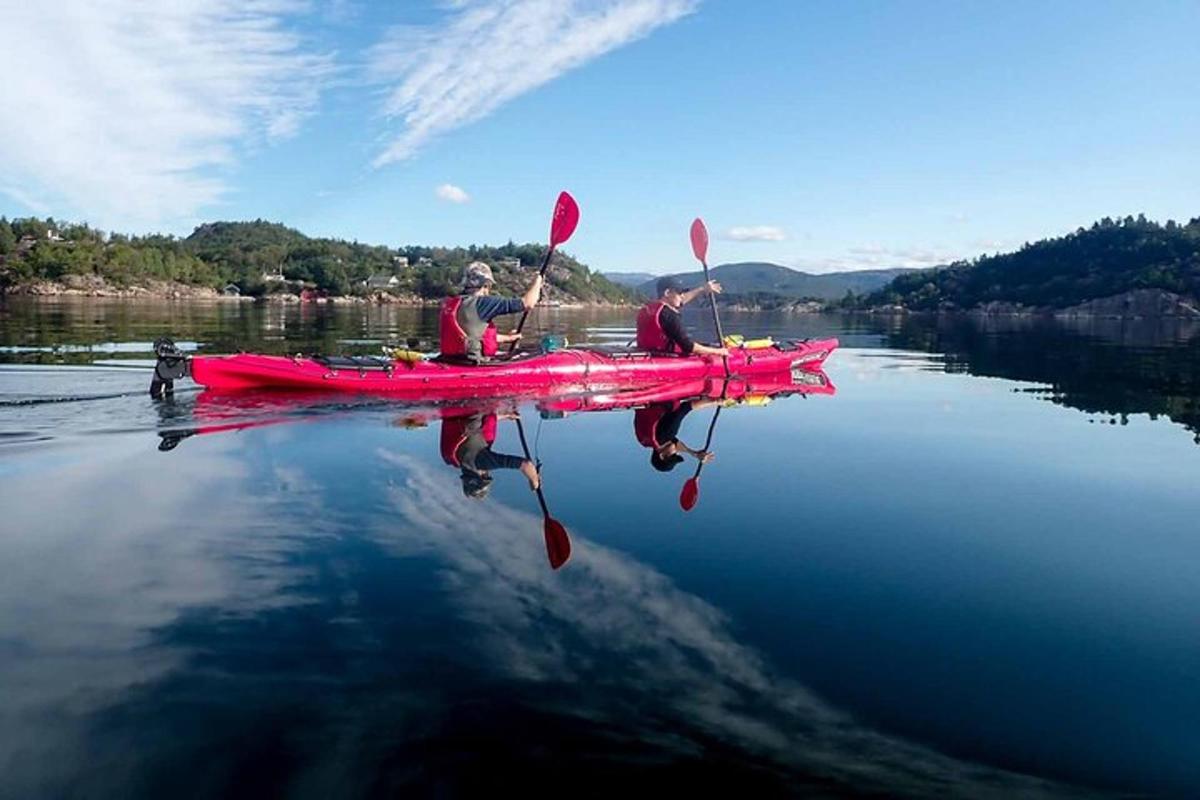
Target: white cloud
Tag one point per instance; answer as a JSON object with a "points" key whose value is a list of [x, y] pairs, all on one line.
{"points": [[451, 193], [122, 112], [877, 256], [755, 233], [487, 52], [994, 245]]}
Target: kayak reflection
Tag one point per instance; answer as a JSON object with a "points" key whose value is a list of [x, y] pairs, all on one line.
{"points": [[469, 432]]}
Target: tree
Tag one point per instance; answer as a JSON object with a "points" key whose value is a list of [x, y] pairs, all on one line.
{"points": [[8, 239]]}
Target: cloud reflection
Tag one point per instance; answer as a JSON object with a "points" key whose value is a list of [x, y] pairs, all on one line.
{"points": [[606, 620], [162, 628], [98, 566]]}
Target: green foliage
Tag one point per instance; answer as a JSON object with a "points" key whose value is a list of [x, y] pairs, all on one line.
{"points": [[1108, 259], [250, 253], [8, 239]]}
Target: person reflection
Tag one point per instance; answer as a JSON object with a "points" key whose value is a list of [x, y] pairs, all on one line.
{"points": [[656, 426], [466, 443]]}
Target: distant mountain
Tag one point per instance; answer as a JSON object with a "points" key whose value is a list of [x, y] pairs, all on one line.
{"points": [[629, 280], [756, 278]]}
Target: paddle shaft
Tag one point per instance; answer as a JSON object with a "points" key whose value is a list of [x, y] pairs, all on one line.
{"points": [[512, 348], [525, 447], [712, 302], [708, 439]]}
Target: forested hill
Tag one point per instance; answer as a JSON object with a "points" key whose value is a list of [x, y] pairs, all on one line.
{"points": [[261, 257], [1110, 258]]}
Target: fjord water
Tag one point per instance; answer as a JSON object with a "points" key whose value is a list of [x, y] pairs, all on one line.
{"points": [[970, 572]]}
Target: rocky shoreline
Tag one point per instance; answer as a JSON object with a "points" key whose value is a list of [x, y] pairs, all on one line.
{"points": [[1136, 304], [98, 288]]}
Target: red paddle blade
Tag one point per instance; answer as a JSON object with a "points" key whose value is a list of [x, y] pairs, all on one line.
{"points": [[690, 494], [566, 217], [700, 240], [558, 546]]}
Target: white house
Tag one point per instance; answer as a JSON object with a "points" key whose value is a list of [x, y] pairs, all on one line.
{"points": [[509, 263], [424, 261], [400, 262], [381, 281]]}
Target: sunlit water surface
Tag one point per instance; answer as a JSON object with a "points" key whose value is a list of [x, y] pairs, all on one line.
{"points": [[970, 572]]}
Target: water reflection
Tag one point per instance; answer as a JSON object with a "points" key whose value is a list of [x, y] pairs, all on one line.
{"points": [[875, 594], [1110, 367], [355, 626], [468, 431]]}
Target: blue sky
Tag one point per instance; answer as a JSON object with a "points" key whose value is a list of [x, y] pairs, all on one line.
{"points": [[817, 135]]}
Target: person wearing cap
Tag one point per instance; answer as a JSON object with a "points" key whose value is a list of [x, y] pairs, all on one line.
{"points": [[657, 427], [659, 326], [466, 442], [466, 323]]}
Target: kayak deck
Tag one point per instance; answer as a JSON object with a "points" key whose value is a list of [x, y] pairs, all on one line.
{"points": [[563, 370]]}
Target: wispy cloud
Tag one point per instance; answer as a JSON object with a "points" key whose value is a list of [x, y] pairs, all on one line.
{"points": [[124, 112], [487, 52], [451, 193], [755, 233]]}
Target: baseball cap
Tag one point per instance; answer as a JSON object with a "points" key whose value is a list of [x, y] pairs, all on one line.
{"points": [[670, 282], [477, 274], [665, 464], [474, 485]]}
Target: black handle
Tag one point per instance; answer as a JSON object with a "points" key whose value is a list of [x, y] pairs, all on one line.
{"points": [[512, 348]]}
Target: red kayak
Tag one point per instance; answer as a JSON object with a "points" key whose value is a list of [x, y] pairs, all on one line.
{"points": [[543, 374]]}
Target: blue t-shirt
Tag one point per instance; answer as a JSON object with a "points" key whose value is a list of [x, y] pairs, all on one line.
{"points": [[491, 307]]}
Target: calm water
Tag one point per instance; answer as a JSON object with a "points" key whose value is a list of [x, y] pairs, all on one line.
{"points": [[970, 572]]}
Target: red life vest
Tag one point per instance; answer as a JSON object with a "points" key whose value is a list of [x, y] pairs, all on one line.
{"points": [[455, 434], [650, 333], [645, 423], [452, 336]]}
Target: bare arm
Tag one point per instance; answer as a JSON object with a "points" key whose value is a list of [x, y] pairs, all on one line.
{"points": [[529, 470], [533, 293], [704, 288], [705, 350], [699, 455]]}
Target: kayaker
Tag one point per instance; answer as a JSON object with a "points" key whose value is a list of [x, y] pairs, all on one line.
{"points": [[466, 442], [657, 426], [466, 324], [660, 327]]}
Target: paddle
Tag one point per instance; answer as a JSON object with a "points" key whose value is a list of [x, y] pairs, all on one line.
{"points": [[691, 490], [558, 544], [700, 249], [562, 225]]}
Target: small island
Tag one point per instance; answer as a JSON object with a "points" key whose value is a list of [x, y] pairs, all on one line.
{"points": [[267, 260]]}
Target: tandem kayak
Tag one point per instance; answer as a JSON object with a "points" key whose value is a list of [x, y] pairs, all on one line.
{"points": [[224, 412], [539, 374]]}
